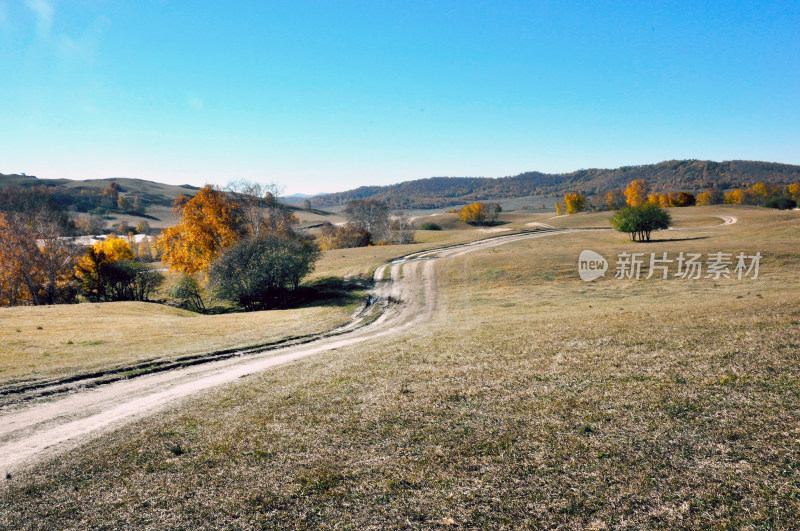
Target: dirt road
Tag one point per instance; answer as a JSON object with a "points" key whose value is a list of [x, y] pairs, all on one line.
{"points": [[405, 292]]}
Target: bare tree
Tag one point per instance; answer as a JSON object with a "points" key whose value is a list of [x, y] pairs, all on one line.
{"points": [[260, 208], [370, 215], [401, 229]]}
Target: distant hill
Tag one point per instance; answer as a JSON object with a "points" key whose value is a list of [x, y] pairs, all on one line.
{"points": [[673, 175], [151, 193]]}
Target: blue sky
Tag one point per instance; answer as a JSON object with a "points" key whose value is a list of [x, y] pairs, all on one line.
{"points": [[326, 96]]}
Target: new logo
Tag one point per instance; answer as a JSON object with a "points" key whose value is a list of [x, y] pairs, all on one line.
{"points": [[591, 265]]}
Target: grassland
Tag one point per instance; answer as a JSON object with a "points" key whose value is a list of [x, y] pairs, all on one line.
{"points": [[532, 400], [60, 341]]}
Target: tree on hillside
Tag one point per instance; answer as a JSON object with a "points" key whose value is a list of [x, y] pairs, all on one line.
{"points": [[640, 221], [370, 215], [208, 223], [636, 193]]}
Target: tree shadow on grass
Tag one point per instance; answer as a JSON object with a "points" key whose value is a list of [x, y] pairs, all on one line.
{"points": [[676, 239], [329, 291]]}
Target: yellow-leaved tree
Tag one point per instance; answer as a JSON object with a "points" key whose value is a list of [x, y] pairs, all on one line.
{"points": [[209, 223], [575, 203], [475, 213], [794, 191], [636, 193], [96, 271]]}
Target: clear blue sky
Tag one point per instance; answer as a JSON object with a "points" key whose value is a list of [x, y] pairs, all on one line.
{"points": [[325, 96]]}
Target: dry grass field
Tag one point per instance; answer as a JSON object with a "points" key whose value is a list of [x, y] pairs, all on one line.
{"points": [[60, 341], [532, 400]]}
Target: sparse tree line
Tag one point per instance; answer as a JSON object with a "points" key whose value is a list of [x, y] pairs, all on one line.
{"points": [[638, 193]]}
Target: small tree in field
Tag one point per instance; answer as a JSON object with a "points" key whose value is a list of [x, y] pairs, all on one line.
{"points": [[476, 213], [188, 292], [640, 221]]}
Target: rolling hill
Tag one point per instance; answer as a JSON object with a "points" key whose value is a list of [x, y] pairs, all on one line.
{"points": [[673, 175]]}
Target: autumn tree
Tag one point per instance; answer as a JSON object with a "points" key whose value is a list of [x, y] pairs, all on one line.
{"points": [[476, 213], [575, 203], [208, 223], [711, 196], [143, 227], [793, 190], [636, 193], [124, 204], [559, 209], [615, 199], [109, 272], [681, 199], [735, 197], [35, 257]]}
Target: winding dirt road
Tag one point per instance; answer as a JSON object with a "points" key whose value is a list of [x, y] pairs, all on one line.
{"points": [[405, 295]]}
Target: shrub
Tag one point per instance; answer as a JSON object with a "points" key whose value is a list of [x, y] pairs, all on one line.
{"points": [[781, 203], [430, 226], [263, 271], [334, 237], [188, 292]]}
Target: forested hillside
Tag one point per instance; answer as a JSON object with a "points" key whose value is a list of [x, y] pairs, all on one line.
{"points": [[102, 196], [673, 175]]}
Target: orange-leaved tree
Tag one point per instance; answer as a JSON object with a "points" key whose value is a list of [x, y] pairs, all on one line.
{"points": [[636, 193], [209, 223]]}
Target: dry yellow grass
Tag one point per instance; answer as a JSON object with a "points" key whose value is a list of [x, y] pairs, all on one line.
{"points": [[60, 341], [532, 400]]}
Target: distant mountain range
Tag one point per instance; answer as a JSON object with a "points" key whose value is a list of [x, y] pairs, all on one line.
{"points": [[437, 192], [672, 175]]}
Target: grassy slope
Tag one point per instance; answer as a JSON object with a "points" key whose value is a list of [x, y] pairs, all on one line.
{"points": [[58, 341], [533, 399]]}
